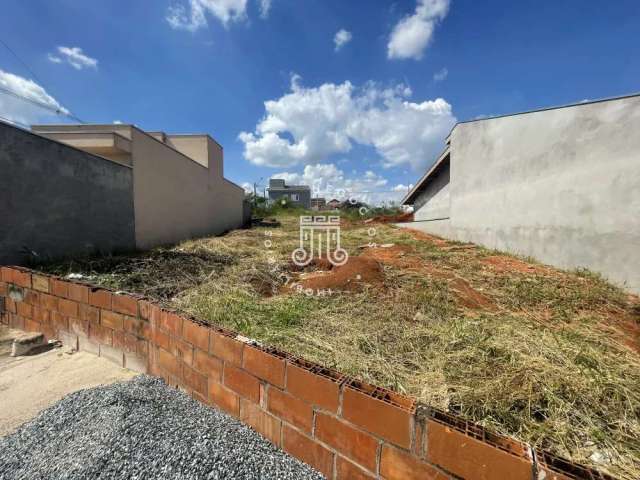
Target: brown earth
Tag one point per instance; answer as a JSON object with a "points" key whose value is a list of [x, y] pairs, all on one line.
{"points": [[399, 218], [352, 276], [504, 264]]}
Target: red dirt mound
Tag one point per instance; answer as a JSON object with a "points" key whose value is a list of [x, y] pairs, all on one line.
{"points": [[351, 276], [399, 218], [503, 264]]}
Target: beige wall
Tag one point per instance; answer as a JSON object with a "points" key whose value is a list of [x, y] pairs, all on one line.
{"points": [[176, 198]]}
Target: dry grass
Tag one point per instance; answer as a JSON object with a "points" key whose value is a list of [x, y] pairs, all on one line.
{"points": [[529, 351]]}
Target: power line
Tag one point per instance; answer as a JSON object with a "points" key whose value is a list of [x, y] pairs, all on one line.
{"points": [[15, 122], [33, 74], [58, 111]]}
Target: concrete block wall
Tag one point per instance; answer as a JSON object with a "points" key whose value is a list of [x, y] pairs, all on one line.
{"points": [[344, 428]]}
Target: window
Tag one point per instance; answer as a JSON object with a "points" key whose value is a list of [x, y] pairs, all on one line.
{"points": [[295, 197]]}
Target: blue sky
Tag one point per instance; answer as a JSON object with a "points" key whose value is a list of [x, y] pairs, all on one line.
{"points": [[365, 115]]}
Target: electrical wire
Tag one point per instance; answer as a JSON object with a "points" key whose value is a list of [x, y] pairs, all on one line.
{"points": [[31, 100], [15, 122]]}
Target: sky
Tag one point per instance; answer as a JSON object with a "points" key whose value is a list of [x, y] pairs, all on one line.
{"points": [[353, 97]]}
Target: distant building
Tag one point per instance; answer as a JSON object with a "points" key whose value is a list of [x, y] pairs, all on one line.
{"points": [[333, 204], [296, 194], [318, 203]]}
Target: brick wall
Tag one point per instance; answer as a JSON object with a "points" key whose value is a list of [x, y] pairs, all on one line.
{"points": [[344, 428]]}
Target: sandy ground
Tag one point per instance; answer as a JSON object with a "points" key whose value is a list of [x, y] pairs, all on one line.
{"points": [[30, 384]]}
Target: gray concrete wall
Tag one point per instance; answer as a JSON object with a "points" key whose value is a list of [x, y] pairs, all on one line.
{"points": [[560, 185], [57, 201], [177, 198], [434, 203]]}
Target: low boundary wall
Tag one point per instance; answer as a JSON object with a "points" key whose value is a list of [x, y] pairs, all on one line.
{"points": [[344, 428]]}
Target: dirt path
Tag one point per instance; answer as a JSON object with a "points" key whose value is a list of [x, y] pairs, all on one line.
{"points": [[30, 384]]}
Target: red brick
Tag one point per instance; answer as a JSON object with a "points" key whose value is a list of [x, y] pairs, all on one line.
{"points": [[241, 382], [169, 363], [31, 297], [144, 309], [10, 305], [40, 283], [100, 298], [290, 409], [346, 470], [24, 310], [381, 418], [314, 389], [78, 293], [59, 288], [31, 326], [21, 278], [155, 315], [111, 320], [171, 322], [471, 458], [59, 322], [354, 444], [196, 335], [78, 327], [6, 274], [48, 301], [139, 328], [142, 348], [181, 350], [100, 334], [265, 366], [88, 313], [398, 465], [41, 315], [207, 365], [125, 341], [224, 398], [125, 304], [195, 380], [161, 339], [16, 321], [263, 423], [305, 449], [68, 308], [227, 348], [3, 289]]}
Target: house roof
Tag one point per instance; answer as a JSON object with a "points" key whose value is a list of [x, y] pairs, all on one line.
{"points": [[418, 187], [410, 197]]}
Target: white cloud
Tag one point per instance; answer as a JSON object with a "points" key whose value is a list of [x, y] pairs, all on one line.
{"points": [[411, 35], [328, 181], [308, 125], [21, 111], [265, 7], [194, 16], [248, 187], [341, 38], [75, 57], [441, 75]]}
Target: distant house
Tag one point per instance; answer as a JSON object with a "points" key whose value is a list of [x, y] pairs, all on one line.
{"points": [[71, 190], [318, 203], [333, 204], [296, 194]]}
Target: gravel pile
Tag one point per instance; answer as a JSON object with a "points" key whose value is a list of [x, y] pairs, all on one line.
{"points": [[141, 429]]}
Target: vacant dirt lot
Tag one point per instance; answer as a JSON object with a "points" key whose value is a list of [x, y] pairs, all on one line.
{"points": [[548, 356]]}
